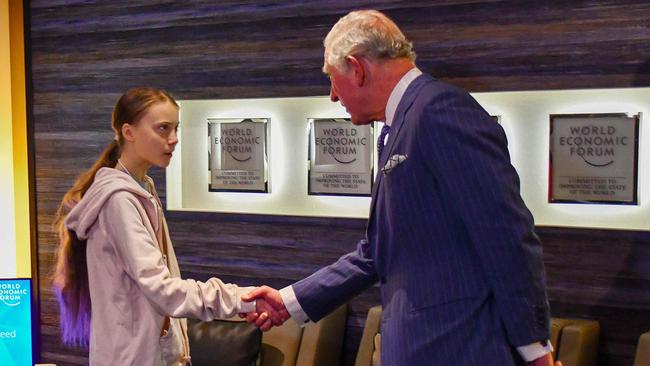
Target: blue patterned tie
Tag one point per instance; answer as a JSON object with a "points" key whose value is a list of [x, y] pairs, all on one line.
{"points": [[380, 140]]}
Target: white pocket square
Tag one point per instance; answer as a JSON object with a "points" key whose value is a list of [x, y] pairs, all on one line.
{"points": [[392, 162]]}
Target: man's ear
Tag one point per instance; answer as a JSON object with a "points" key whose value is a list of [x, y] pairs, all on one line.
{"points": [[357, 67], [127, 132]]}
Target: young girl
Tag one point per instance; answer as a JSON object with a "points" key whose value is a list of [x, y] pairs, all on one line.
{"points": [[116, 255]]}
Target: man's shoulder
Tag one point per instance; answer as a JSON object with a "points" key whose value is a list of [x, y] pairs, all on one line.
{"points": [[432, 92], [437, 101], [432, 87]]}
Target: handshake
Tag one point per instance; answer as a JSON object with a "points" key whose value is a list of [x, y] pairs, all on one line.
{"points": [[269, 309]]}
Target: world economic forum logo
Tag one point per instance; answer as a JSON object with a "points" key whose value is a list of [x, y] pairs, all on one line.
{"points": [[342, 144], [596, 145], [11, 293], [239, 143]]}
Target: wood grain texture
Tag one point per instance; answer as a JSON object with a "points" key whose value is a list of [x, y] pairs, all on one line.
{"points": [[86, 53], [603, 275]]}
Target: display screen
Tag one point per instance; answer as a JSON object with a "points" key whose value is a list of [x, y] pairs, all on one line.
{"points": [[15, 322]]}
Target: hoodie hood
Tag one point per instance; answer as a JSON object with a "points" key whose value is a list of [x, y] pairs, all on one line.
{"points": [[107, 182]]}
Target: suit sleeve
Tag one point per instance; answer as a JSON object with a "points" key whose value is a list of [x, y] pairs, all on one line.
{"points": [[142, 261], [336, 284], [466, 151]]}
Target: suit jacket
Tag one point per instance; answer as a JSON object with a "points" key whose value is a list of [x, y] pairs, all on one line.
{"points": [[449, 239]]}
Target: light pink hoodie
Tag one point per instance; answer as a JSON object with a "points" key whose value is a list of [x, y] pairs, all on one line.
{"points": [[131, 288]]}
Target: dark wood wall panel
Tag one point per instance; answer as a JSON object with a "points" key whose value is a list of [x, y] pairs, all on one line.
{"points": [[85, 54], [254, 49], [604, 275], [253, 250]]}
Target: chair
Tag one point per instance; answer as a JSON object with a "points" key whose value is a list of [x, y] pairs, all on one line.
{"points": [[369, 348], [575, 341], [317, 344], [643, 350]]}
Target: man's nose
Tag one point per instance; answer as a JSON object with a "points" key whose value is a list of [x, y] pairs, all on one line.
{"points": [[333, 96]]}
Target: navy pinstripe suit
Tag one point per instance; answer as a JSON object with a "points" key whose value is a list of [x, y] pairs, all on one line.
{"points": [[449, 239]]}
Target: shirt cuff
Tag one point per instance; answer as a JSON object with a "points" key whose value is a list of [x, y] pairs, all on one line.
{"points": [[246, 307], [535, 350], [293, 306]]}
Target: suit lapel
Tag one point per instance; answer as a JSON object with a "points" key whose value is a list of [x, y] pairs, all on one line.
{"points": [[398, 121]]}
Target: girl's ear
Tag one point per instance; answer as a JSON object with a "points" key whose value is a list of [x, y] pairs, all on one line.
{"points": [[127, 132]]}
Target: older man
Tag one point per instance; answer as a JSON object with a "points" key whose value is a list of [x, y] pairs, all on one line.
{"points": [[449, 238]]}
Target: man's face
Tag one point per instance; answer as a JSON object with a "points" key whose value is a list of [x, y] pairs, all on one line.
{"points": [[345, 89]]}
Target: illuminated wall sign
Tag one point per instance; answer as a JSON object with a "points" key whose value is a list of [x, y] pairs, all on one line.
{"points": [[15, 322], [237, 154], [340, 156], [524, 118], [594, 158]]}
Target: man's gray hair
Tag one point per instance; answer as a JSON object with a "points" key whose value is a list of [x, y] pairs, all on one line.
{"points": [[367, 33]]}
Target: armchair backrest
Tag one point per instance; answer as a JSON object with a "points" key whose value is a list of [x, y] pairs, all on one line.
{"points": [[316, 344], [575, 341], [369, 348], [643, 350]]}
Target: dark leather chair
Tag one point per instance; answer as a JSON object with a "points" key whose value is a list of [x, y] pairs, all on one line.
{"points": [[316, 344], [223, 342]]}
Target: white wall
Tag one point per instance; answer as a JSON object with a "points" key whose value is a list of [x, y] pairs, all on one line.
{"points": [[524, 116]]}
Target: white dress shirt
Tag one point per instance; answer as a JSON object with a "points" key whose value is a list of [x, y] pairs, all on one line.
{"points": [[528, 353]]}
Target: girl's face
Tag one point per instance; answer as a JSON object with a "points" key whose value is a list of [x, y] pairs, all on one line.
{"points": [[154, 135]]}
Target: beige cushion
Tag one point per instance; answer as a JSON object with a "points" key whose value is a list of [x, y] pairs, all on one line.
{"points": [[368, 354], [317, 344], [643, 350], [557, 324], [280, 345], [376, 354], [322, 342], [577, 343]]}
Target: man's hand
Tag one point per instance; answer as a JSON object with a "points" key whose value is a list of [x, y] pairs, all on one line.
{"points": [[270, 310], [546, 360]]}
